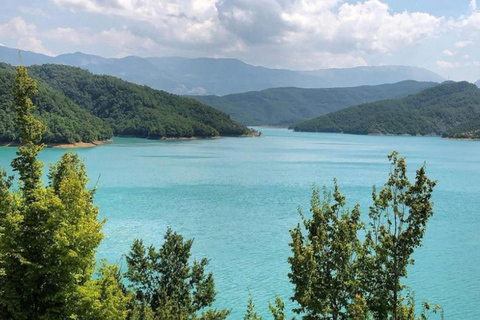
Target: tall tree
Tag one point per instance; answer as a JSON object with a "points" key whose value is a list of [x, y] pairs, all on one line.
{"points": [[48, 235], [398, 221], [323, 265], [168, 284]]}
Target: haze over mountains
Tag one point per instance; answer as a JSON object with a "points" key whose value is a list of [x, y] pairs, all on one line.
{"points": [[202, 76]]}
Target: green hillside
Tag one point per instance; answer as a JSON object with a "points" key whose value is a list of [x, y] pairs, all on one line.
{"points": [[136, 110], [284, 106], [65, 121], [443, 110]]}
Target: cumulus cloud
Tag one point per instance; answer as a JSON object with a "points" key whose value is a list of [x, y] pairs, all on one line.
{"points": [[24, 33], [305, 30]]}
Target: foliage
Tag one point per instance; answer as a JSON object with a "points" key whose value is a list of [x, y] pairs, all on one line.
{"points": [[338, 276], [103, 297], [285, 106], [398, 220], [164, 280], [324, 269], [435, 111], [48, 235], [64, 121], [278, 310], [136, 110], [251, 314]]}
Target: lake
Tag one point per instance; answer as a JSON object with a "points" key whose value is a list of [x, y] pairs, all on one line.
{"points": [[238, 197]]}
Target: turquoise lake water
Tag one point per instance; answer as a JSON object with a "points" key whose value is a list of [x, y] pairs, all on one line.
{"points": [[238, 197]]}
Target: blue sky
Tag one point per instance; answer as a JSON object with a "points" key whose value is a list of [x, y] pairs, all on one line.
{"points": [[440, 35]]}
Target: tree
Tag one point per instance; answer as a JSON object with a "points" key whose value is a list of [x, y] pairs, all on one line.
{"points": [[48, 235], [166, 282], [398, 221], [324, 267], [251, 314], [337, 276], [103, 297]]}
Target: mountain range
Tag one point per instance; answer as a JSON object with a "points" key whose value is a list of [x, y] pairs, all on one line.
{"points": [[202, 76]]}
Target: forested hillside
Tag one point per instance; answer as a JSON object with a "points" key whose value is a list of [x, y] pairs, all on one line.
{"points": [[450, 109], [285, 106], [137, 110], [65, 121]]}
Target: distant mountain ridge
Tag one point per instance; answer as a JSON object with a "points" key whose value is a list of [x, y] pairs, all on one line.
{"points": [[449, 109], [285, 106], [201, 76]]}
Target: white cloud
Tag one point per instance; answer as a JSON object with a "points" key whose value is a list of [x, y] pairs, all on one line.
{"points": [[447, 64], [24, 33], [367, 26], [457, 64], [308, 32], [473, 5], [449, 53], [463, 44]]}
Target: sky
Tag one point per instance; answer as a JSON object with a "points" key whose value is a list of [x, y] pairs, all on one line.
{"points": [[440, 35]]}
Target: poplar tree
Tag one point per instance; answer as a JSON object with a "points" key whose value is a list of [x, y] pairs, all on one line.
{"points": [[398, 221], [48, 234]]}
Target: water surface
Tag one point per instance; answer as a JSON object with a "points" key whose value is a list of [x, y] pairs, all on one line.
{"points": [[238, 197]]}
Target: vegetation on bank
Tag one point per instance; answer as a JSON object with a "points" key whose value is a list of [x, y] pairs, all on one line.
{"points": [[64, 120], [77, 106], [449, 110], [135, 110], [49, 236], [285, 106]]}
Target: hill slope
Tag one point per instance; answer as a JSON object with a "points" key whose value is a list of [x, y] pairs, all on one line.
{"points": [[442, 110], [65, 121], [137, 110], [221, 76], [284, 106]]}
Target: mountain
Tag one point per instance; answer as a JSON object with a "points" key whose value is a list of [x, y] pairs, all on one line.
{"points": [[285, 106], [449, 109], [65, 121], [202, 76], [137, 110], [78, 106]]}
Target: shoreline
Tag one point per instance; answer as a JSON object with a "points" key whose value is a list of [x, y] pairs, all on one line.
{"points": [[83, 145], [74, 145], [78, 145]]}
